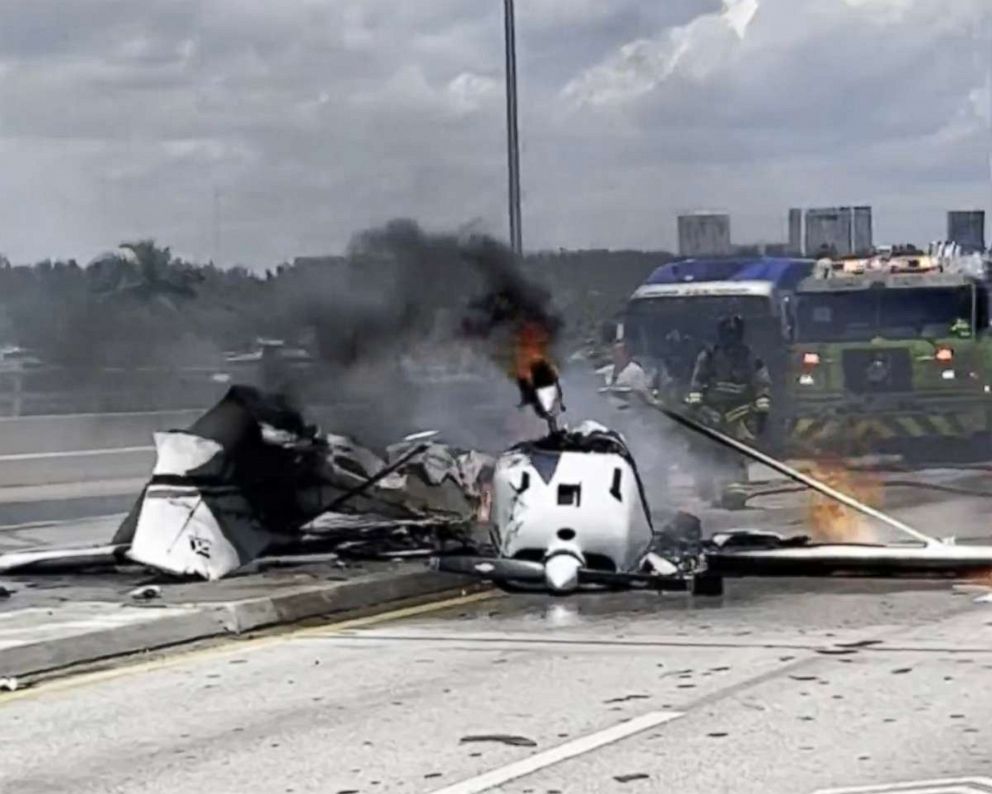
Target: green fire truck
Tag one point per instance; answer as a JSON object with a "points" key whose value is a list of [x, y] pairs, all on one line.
{"points": [[890, 355]]}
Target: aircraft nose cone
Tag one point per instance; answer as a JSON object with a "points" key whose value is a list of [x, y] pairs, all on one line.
{"points": [[561, 573]]}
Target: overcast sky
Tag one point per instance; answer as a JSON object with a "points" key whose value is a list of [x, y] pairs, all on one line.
{"points": [[294, 123]]}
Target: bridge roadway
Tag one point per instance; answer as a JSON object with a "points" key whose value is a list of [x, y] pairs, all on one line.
{"points": [[791, 687]]}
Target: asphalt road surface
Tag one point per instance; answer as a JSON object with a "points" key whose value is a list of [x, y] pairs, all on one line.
{"points": [[791, 686], [787, 686]]}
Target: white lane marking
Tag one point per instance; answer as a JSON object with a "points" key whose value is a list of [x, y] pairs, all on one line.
{"points": [[73, 453], [562, 752], [956, 785]]}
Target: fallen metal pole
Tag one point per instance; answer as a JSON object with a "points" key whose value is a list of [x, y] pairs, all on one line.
{"points": [[848, 559], [793, 474]]}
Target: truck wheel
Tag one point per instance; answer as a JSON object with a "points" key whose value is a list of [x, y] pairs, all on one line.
{"points": [[707, 584]]}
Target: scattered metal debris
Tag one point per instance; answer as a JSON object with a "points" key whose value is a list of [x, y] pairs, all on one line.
{"points": [[148, 592], [250, 478]]}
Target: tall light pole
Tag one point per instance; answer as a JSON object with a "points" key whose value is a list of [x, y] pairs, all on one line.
{"points": [[512, 143]]}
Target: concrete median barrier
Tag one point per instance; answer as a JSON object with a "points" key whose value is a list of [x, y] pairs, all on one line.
{"points": [[91, 465], [74, 432], [95, 626]]}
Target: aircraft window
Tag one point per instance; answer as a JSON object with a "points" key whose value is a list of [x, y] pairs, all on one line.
{"points": [[615, 488], [570, 495], [566, 534]]}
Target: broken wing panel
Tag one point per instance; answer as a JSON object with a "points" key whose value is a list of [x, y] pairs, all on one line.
{"points": [[190, 532]]}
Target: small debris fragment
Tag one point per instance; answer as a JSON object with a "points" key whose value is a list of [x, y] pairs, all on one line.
{"points": [[803, 677], [858, 643], [902, 670], [625, 698], [10, 684], [432, 775], [835, 651], [5, 592], [148, 592], [502, 738], [631, 778], [717, 735]]}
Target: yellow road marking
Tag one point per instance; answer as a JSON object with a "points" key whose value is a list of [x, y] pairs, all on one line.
{"points": [[235, 646]]}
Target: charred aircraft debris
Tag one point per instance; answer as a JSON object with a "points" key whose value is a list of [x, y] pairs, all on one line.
{"points": [[570, 512], [252, 479]]}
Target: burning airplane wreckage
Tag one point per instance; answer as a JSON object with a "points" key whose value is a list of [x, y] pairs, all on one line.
{"points": [[567, 511], [251, 478], [570, 512]]}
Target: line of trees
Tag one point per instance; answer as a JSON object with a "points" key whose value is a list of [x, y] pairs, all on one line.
{"points": [[141, 305]]}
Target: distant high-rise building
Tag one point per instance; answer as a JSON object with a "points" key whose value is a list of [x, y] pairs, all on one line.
{"points": [[841, 231], [704, 234], [861, 240], [796, 232], [967, 228], [828, 230]]}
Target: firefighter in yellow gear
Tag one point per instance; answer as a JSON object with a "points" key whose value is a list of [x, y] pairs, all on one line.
{"points": [[730, 391]]}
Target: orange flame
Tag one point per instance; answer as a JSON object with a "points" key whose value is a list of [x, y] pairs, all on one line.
{"points": [[530, 347], [834, 522]]}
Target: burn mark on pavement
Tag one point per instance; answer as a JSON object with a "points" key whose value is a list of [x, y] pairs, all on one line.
{"points": [[501, 738], [625, 698], [631, 778]]}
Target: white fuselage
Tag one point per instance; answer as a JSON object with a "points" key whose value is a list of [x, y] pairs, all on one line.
{"points": [[587, 506]]}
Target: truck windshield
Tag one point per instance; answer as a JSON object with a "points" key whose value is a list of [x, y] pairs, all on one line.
{"points": [[888, 313], [675, 329], [695, 317]]}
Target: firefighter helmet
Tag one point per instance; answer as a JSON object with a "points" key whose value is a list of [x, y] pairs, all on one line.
{"points": [[730, 330]]}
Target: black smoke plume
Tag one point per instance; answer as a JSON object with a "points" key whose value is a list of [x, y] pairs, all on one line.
{"points": [[404, 300]]}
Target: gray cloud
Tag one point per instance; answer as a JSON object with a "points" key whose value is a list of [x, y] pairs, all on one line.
{"points": [[311, 120]]}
